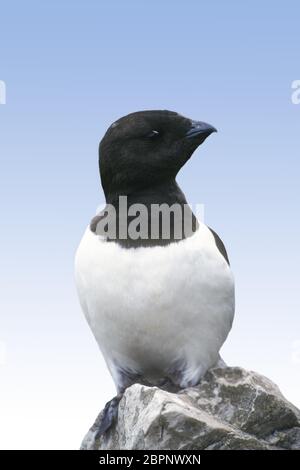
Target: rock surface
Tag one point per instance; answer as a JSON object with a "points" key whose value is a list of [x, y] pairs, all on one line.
{"points": [[230, 409]]}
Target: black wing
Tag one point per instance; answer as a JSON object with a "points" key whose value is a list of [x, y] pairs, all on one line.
{"points": [[220, 245]]}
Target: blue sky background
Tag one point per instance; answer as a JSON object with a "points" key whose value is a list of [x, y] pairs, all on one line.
{"points": [[73, 67]]}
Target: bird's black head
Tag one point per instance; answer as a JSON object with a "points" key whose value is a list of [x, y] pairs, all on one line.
{"points": [[147, 148]]}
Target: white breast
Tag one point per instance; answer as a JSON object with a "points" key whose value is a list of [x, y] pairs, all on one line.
{"points": [[151, 308]]}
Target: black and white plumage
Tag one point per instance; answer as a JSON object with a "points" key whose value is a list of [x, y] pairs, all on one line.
{"points": [[160, 310]]}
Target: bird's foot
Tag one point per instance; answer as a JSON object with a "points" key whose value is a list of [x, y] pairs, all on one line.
{"points": [[108, 415], [168, 385]]}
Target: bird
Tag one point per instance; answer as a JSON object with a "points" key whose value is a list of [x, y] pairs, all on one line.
{"points": [[160, 307]]}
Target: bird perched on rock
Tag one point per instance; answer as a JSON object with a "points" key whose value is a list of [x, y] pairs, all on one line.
{"points": [[157, 290]]}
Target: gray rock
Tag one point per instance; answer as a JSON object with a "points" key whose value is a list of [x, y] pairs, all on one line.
{"points": [[230, 409]]}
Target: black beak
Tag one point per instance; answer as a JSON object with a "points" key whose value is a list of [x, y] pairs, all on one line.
{"points": [[200, 128]]}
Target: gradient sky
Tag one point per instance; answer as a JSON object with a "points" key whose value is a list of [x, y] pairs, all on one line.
{"points": [[73, 67]]}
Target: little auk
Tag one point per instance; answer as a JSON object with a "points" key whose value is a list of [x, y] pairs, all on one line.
{"points": [[159, 304]]}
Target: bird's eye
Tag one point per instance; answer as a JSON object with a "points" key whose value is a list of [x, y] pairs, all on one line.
{"points": [[152, 135]]}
